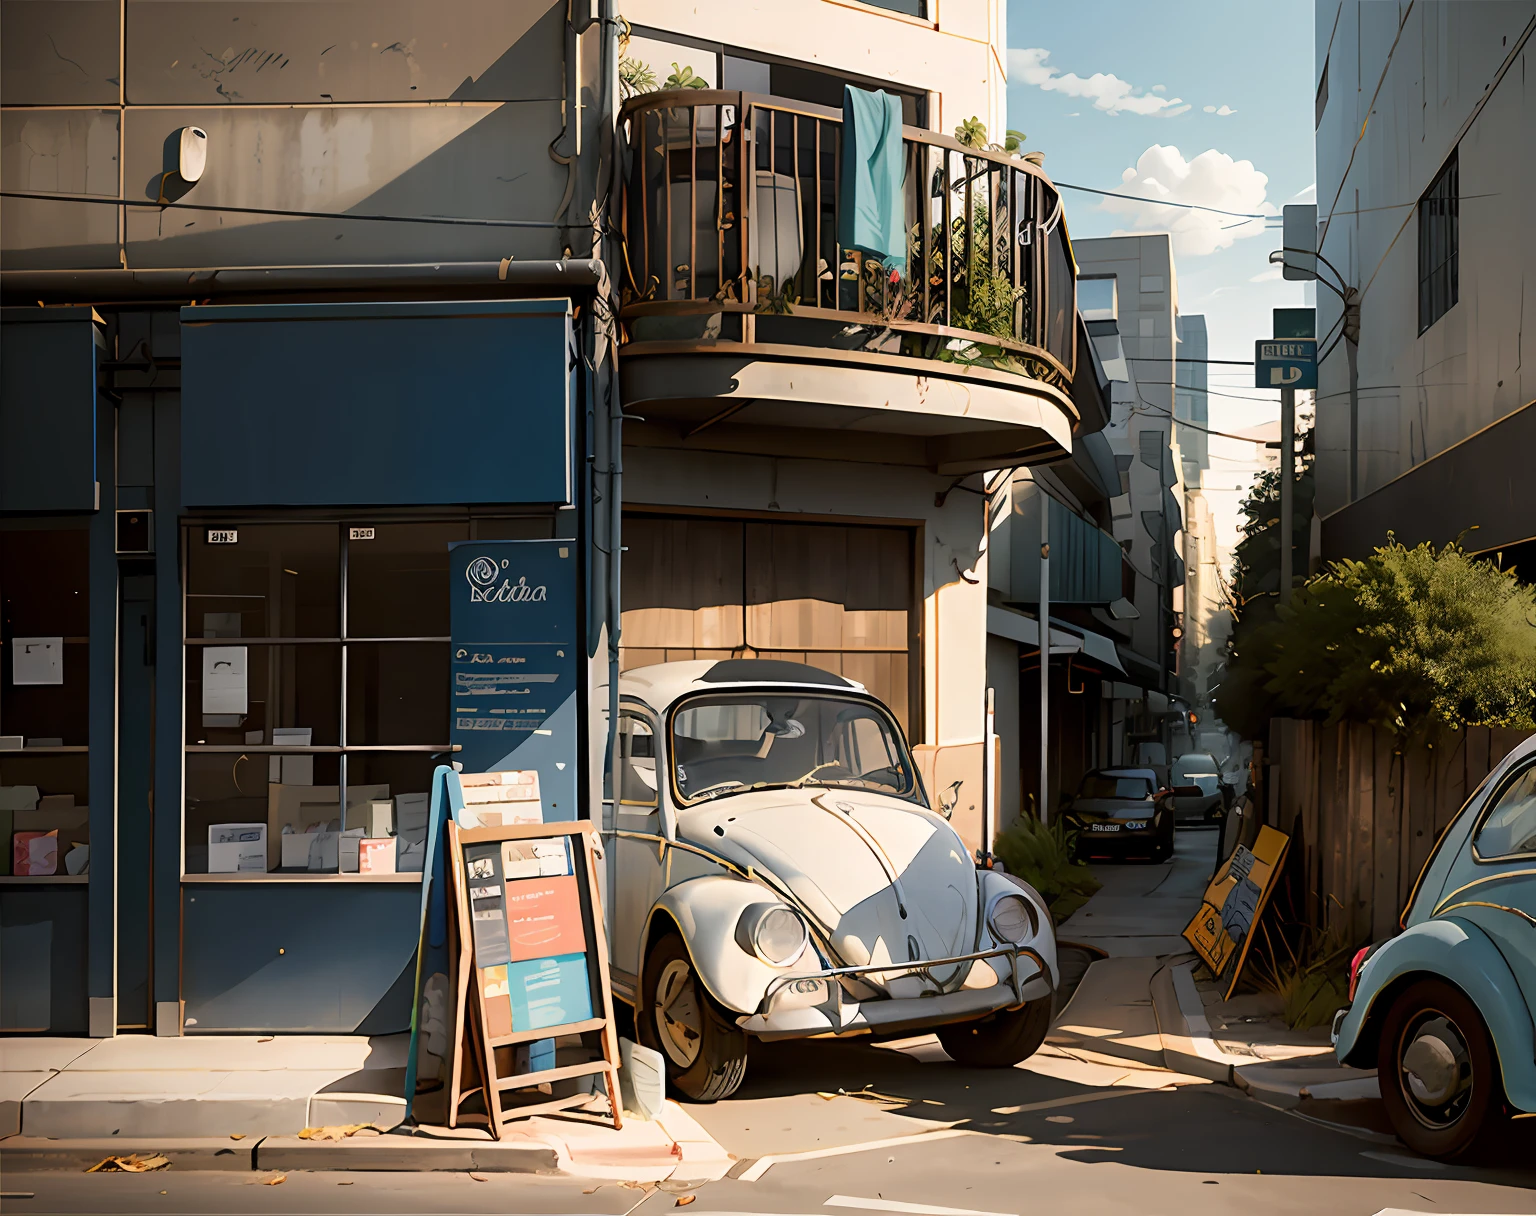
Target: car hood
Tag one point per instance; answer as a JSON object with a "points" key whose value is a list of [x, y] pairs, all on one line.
{"points": [[1113, 808], [882, 879]]}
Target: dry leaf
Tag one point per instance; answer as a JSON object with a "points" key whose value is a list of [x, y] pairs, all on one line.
{"points": [[131, 1164], [274, 1180], [338, 1132], [684, 1200], [593, 1191], [237, 1135], [346, 1184], [479, 1177]]}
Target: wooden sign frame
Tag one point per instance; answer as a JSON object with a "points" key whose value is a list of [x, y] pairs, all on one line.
{"points": [[470, 1005]]}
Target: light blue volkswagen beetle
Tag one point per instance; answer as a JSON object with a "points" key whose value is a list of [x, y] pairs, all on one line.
{"points": [[1443, 1010]]}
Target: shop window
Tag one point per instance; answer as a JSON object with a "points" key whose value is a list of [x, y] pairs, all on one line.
{"points": [[44, 699], [317, 659]]}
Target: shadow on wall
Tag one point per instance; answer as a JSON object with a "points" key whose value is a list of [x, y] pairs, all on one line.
{"points": [[487, 159]]}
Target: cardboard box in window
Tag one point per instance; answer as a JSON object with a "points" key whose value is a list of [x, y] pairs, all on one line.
{"points": [[377, 856], [411, 812], [302, 806], [73, 823]]}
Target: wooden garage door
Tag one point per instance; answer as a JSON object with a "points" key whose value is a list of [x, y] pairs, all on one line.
{"points": [[838, 597]]}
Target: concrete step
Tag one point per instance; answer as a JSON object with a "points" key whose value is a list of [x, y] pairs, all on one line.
{"points": [[22, 1154], [1111, 1012], [191, 1087]]}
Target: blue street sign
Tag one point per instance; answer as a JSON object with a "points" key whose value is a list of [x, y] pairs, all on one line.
{"points": [[1285, 363]]}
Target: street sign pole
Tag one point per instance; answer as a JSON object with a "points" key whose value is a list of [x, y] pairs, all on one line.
{"points": [[1045, 653], [1287, 492], [1287, 363]]}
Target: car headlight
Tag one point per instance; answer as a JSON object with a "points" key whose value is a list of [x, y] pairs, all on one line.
{"points": [[1012, 918], [772, 932]]}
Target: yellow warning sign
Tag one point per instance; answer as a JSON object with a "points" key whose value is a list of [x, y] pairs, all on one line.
{"points": [[1234, 902]]}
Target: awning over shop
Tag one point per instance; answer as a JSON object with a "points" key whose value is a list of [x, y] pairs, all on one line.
{"points": [[1065, 639], [376, 404]]}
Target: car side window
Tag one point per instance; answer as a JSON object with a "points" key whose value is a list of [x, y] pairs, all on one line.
{"points": [[637, 761], [1509, 828]]}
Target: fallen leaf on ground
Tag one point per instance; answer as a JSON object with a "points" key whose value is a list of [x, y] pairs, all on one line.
{"points": [[479, 1177], [131, 1164], [237, 1135], [593, 1191], [346, 1184], [338, 1132], [273, 1181], [684, 1200]]}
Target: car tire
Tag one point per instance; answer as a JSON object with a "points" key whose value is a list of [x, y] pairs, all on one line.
{"points": [[704, 1050], [1439, 1072], [999, 1041]]}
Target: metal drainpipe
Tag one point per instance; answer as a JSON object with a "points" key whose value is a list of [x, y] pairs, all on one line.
{"points": [[610, 69]]}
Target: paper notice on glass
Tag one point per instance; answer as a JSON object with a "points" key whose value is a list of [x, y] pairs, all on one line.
{"points": [[224, 683], [37, 660]]}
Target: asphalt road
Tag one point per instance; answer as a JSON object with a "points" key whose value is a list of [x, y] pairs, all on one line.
{"points": [[1066, 1132]]}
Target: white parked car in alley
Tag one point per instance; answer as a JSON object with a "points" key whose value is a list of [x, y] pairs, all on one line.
{"points": [[777, 871]]}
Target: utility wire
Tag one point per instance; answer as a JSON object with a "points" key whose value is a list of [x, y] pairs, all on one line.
{"points": [[1162, 202]]}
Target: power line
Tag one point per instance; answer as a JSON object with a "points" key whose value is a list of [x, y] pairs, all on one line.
{"points": [[1162, 202]]}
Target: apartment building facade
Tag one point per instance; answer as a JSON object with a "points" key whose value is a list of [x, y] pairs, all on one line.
{"points": [[1423, 216]]}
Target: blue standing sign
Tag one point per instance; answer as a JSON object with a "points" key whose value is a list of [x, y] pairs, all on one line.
{"points": [[1285, 363], [515, 663]]}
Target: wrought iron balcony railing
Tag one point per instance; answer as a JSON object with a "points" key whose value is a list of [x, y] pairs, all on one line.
{"points": [[731, 219]]}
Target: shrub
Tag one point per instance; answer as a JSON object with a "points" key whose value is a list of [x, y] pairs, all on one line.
{"points": [[1043, 857]]}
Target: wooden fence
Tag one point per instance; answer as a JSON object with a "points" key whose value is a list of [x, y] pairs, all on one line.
{"points": [[1364, 816]]}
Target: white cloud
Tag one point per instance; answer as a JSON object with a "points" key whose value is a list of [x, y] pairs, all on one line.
{"points": [[1107, 92], [1211, 179], [1223, 112], [1159, 88], [1268, 275], [1308, 195]]}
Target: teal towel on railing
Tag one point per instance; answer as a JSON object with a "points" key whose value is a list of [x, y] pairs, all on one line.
{"points": [[873, 215]]}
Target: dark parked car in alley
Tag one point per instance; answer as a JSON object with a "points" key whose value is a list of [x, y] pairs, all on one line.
{"points": [[1122, 812], [1205, 794]]}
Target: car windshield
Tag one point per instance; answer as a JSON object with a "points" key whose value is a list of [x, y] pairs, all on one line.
{"points": [[731, 742], [1107, 785]]}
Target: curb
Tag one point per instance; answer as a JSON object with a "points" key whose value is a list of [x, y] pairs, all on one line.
{"points": [[28, 1154], [1189, 1046], [400, 1153]]}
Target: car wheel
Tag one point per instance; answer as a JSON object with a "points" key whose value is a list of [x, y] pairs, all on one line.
{"points": [[999, 1041], [1438, 1072], [705, 1052]]}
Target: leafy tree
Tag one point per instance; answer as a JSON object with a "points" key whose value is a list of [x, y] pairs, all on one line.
{"points": [[1410, 639]]}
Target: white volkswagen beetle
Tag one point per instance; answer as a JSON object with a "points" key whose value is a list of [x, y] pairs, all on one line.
{"points": [[777, 871]]}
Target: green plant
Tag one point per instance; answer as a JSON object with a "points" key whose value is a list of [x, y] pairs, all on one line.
{"points": [[1413, 640], [972, 133], [635, 78], [1311, 978], [1043, 857], [683, 78]]}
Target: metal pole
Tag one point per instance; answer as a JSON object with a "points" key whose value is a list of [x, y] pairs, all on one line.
{"points": [[988, 785], [1288, 491], [1045, 649], [1353, 352]]}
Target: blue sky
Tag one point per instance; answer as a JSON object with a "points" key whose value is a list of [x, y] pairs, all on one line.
{"points": [[1206, 101]]}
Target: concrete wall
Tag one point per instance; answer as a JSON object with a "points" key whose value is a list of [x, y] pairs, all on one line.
{"points": [[1418, 74], [392, 108], [959, 56]]}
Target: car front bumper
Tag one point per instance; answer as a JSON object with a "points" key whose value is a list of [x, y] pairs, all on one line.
{"points": [[815, 1004]]}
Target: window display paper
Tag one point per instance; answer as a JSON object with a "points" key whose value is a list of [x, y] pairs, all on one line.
{"points": [[37, 660], [224, 681], [237, 848], [292, 770]]}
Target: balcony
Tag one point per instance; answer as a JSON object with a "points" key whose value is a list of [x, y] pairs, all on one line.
{"points": [[743, 315]]}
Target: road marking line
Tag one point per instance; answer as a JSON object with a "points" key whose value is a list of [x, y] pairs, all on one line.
{"points": [[890, 1205], [761, 1166], [1076, 1100]]}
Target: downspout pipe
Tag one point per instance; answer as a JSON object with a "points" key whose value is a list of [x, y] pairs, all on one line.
{"points": [[564, 275]]}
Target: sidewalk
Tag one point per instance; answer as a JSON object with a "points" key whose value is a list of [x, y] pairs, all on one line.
{"points": [[241, 1102], [1154, 1010]]}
